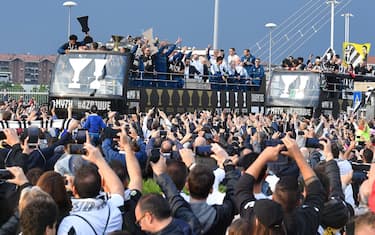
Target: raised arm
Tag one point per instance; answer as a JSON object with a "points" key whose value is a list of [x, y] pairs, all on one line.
{"points": [[112, 180], [132, 164], [294, 152]]}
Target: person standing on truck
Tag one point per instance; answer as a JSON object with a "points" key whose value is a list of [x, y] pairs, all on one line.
{"points": [[94, 124], [161, 61], [73, 44]]}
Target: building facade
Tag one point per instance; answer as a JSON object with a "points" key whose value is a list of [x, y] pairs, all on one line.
{"points": [[26, 69]]}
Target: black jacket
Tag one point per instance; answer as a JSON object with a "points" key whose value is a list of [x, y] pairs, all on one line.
{"points": [[13, 157], [180, 208], [45, 158], [336, 212], [303, 221]]}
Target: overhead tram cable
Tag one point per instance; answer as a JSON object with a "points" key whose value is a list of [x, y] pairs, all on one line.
{"points": [[297, 44], [314, 15], [297, 16]]}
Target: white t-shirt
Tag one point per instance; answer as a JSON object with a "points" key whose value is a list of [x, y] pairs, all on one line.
{"points": [[96, 212]]}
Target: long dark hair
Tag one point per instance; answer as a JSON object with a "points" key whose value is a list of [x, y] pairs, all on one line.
{"points": [[54, 184]]}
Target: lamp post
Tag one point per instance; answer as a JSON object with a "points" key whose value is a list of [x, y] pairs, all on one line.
{"points": [[216, 25], [333, 3], [270, 26], [347, 26], [69, 5]]}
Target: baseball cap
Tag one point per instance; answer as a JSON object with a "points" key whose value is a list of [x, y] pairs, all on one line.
{"points": [[269, 213], [69, 163]]}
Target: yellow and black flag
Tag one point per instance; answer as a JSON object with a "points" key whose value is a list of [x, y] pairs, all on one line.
{"points": [[354, 53]]}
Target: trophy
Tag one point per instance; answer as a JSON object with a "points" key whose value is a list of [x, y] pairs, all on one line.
{"points": [[287, 80], [83, 20], [99, 65], [78, 64], [302, 85], [116, 42]]}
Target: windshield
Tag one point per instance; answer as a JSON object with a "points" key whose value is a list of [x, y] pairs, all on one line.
{"points": [[89, 74]]}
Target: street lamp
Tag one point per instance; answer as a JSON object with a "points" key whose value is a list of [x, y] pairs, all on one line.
{"points": [[333, 3], [69, 4], [270, 26], [216, 24], [347, 26]]}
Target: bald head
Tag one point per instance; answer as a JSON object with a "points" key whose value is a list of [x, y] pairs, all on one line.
{"points": [[199, 141]]}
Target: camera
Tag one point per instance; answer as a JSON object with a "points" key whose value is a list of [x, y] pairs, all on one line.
{"points": [[163, 133], [301, 133], [114, 132], [314, 143], [77, 149], [204, 150], [5, 174], [2, 135], [155, 155]]}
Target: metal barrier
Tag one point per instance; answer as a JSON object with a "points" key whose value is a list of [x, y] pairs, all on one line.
{"points": [[143, 79]]}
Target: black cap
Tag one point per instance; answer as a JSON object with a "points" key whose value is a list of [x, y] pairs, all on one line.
{"points": [[335, 214], [246, 160], [269, 213]]}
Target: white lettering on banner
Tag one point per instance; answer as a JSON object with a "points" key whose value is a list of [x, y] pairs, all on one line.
{"points": [[244, 99], [236, 99], [62, 103], [81, 104], [86, 104], [257, 97], [218, 99], [348, 83], [299, 111], [327, 104]]}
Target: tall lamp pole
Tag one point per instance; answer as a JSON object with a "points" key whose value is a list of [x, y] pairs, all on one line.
{"points": [[216, 24], [333, 3], [69, 5], [347, 26], [270, 26]]}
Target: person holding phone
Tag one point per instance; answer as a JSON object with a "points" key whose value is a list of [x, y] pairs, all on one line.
{"points": [[94, 124]]}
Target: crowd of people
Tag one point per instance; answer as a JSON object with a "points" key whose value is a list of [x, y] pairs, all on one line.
{"points": [[163, 64], [218, 173], [331, 63]]}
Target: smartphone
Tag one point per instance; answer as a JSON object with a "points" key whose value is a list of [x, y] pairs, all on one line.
{"points": [[2, 135], [313, 143], [203, 151], [81, 136], [114, 133], [33, 134], [163, 133], [76, 149], [155, 155], [5, 174]]}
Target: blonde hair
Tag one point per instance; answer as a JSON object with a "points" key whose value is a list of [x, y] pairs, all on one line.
{"points": [[30, 194]]}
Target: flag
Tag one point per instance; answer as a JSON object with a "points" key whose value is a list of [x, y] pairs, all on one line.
{"points": [[148, 34], [354, 53]]}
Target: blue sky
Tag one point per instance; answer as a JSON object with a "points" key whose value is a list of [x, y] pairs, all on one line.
{"points": [[40, 26]]}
